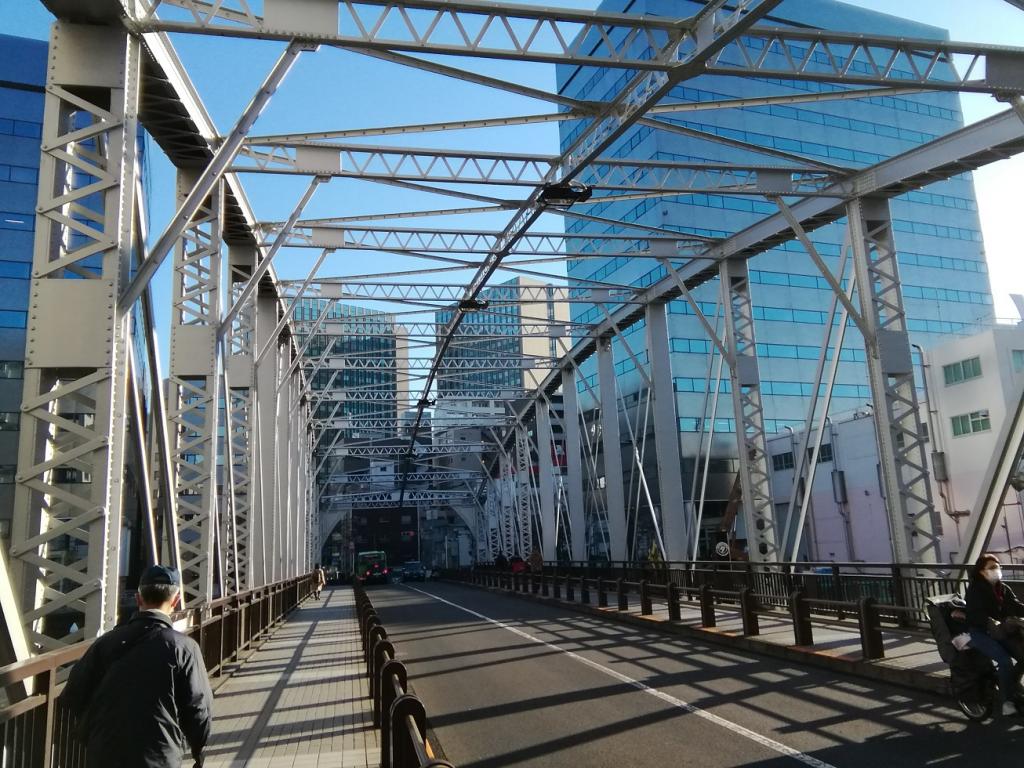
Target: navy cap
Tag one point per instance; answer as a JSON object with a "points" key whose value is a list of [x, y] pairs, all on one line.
{"points": [[160, 574]]}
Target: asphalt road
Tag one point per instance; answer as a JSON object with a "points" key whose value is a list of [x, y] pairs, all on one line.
{"points": [[512, 682]]}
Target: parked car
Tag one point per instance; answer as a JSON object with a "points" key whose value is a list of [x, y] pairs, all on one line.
{"points": [[414, 571]]}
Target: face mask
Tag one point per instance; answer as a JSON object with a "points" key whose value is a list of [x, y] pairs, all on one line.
{"points": [[993, 576]]}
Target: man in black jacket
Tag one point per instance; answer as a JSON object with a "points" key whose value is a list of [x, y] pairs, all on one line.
{"points": [[141, 691]]}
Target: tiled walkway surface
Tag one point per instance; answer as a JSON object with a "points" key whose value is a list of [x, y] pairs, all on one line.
{"points": [[301, 700]]}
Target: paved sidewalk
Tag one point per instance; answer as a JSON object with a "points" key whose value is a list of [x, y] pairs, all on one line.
{"points": [[300, 701], [911, 657]]}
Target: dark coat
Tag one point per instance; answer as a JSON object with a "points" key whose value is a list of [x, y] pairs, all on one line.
{"points": [[983, 604], [143, 692]]}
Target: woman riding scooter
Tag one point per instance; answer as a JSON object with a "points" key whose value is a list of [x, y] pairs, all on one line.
{"points": [[992, 609]]}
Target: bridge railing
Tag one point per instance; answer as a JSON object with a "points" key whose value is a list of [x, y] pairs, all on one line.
{"points": [[399, 714], [871, 595], [38, 731], [900, 590]]}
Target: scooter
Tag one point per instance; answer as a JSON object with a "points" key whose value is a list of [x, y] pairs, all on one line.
{"points": [[972, 678]]}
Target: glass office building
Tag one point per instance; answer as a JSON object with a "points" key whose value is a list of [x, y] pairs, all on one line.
{"points": [[22, 80], [941, 257], [505, 347]]}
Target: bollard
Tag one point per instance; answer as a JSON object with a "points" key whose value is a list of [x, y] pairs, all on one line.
{"points": [[568, 589], [707, 606], [584, 592], [837, 591], [544, 590], [870, 630], [748, 612], [386, 693], [646, 609], [623, 597], [377, 632], [673, 603], [371, 621], [602, 594], [801, 614], [534, 584], [401, 753], [556, 587], [383, 652]]}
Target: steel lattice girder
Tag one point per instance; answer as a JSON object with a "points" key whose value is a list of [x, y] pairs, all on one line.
{"points": [[586, 38], [419, 451], [443, 496], [510, 170], [398, 239], [340, 288], [428, 476]]}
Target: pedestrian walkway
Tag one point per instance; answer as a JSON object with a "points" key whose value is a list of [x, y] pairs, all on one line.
{"points": [[300, 701]]}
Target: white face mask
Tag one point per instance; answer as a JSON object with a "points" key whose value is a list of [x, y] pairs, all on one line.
{"points": [[993, 576]]}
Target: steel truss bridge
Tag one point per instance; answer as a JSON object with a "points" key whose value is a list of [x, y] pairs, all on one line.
{"points": [[222, 470]]}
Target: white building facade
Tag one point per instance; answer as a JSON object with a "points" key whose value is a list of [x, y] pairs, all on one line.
{"points": [[969, 386]]}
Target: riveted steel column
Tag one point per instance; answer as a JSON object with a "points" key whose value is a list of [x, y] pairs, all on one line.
{"points": [[523, 518], [262, 525], [67, 516], [241, 412], [913, 523], [574, 465], [758, 510], [545, 479], [280, 463], [193, 407], [675, 519], [612, 451]]}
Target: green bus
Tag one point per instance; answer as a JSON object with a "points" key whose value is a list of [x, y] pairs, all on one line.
{"points": [[372, 567]]}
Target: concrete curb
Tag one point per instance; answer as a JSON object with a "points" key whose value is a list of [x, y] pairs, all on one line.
{"points": [[842, 663]]}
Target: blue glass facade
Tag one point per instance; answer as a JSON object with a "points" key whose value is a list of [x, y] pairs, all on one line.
{"points": [[22, 77], [500, 326], [942, 266]]}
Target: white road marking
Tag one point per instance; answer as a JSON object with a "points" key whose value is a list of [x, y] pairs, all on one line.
{"points": [[771, 744]]}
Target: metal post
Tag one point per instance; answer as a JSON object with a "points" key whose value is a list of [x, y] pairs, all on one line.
{"points": [[574, 465], [545, 479], [67, 515], [612, 451], [193, 407], [262, 525], [676, 525], [913, 521], [240, 416], [758, 511]]}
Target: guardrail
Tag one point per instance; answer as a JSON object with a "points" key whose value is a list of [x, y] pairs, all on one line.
{"points": [[750, 604], [900, 590], [400, 715], [37, 731]]}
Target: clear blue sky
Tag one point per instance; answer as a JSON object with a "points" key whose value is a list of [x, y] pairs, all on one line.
{"points": [[413, 96]]}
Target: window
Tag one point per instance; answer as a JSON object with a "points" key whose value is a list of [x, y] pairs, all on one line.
{"points": [[1018, 360], [782, 461], [71, 475], [976, 421], [12, 369], [824, 453], [9, 421], [963, 370], [7, 473]]}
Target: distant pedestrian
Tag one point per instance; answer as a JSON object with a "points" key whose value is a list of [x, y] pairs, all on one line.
{"points": [[319, 580], [536, 561], [140, 693]]}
